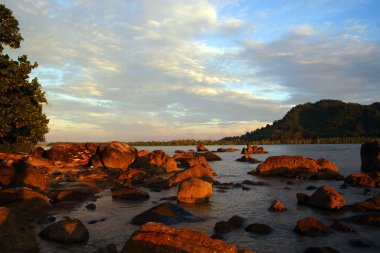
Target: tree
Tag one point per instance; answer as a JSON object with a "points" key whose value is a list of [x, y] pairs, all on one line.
{"points": [[22, 122]]}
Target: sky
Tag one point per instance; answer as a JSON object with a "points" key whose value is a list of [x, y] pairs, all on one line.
{"points": [[133, 70]]}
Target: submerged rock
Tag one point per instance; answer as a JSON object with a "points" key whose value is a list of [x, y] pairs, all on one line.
{"points": [[368, 205], [311, 227], [194, 190], [15, 235], [227, 150], [321, 250], [247, 159], [129, 193], [65, 231], [259, 228], [365, 219], [363, 180], [339, 226], [167, 213], [298, 167], [159, 238]]}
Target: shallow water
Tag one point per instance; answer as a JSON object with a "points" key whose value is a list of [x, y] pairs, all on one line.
{"points": [[252, 205]]}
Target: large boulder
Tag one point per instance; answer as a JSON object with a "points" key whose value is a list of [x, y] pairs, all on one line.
{"points": [[159, 238], [201, 147], [194, 190], [370, 157], [114, 155], [71, 155], [298, 166], [311, 227], [254, 150], [156, 162], [21, 173], [15, 235], [325, 197], [363, 180], [167, 213], [65, 231], [203, 171]]}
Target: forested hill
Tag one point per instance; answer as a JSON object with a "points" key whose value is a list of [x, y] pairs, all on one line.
{"points": [[323, 119]]}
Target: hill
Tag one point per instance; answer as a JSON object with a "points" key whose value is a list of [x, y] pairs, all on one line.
{"points": [[323, 119]]}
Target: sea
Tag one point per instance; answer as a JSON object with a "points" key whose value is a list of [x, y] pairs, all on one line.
{"points": [[250, 204]]}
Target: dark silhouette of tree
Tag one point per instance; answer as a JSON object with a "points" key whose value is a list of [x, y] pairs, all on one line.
{"points": [[22, 122]]}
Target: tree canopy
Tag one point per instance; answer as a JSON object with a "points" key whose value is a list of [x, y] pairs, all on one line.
{"points": [[22, 121]]}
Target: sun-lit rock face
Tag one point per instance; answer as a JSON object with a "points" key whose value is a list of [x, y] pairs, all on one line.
{"points": [[71, 155], [156, 162], [15, 235], [254, 150], [277, 206], [298, 166], [325, 197], [65, 231], [114, 155], [198, 171], [159, 238], [194, 190], [201, 147]]}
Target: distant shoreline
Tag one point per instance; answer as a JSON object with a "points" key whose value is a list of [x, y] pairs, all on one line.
{"points": [[335, 140]]}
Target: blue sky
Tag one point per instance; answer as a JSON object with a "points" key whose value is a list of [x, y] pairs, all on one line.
{"points": [[162, 70]]}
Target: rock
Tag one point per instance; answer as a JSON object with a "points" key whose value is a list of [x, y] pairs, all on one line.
{"points": [[115, 155], [129, 193], [90, 206], [179, 151], [326, 197], [245, 188], [277, 206], [200, 147], [155, 182], [255, 183], [302, 198], [110, 248], [370, 157], [198, 171], [248, 159], [183, 157], [224, 227], [20, 174], [311, 227], [15, 235], [365, 219], [311, 188], [194, 190], [361, 243], [132, 177], [254, 150], [71, 155], [156, 162], [167, 213], [298, 167], [361, 179], [369, 205], [259, 228], [46, 220], [159, 238], [210, 156], [65, 231], [38, 152], [28, 196], [321, 250], [75, 192], [227, 150], [339, 226]]}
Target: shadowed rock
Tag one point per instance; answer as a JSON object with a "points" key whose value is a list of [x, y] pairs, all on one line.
{"points": [[370, 157], [129, 193], [365, 219], [247, 159], [363, 180], [311, 227], [325, 197], [65, 231], [321, 250], [259, 228]]}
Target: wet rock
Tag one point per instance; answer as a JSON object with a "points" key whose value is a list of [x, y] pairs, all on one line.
{"points": [[155, 182], [224, 227], [71, 155], [194, 190], [75, 192], [201, 147], [129, 193], [237, 185], [321, 250], [361, 179], [21, 173], [156, 162], [46, 220], [369, 205], [365, 219], [15, 235], [132, 177], [248, 159], [370, 157], [90, 206], [255, 183], [179, 151], [183, 157], [114, 155], [30, 197], [325, 197], [210, 156], [298, 167], [254, 150], [259, 228], [361, 243], [110, 248], [339, 226], [172, 198], [65, 231], [277, 206], [202, 171], [311, 188], [245, 188], [156, 237], [311, 227], [227, 150], [167, 213]]}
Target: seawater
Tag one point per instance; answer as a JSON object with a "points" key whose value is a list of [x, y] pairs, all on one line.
{"points": [[252, 205]]}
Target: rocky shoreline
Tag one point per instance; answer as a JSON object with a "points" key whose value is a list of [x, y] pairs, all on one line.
{"points": [[37, 185]]}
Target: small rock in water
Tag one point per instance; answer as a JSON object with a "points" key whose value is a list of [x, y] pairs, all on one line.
{"points": [[259, 228], [90, 206], [290, 183], [344, 186], [245, 188], [46, 220], [277, 206], [321, 250], [360, 243], [339, 226]]}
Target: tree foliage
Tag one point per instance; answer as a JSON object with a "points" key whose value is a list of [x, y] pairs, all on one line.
{"points": [[22, 121], [331, 120]]}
